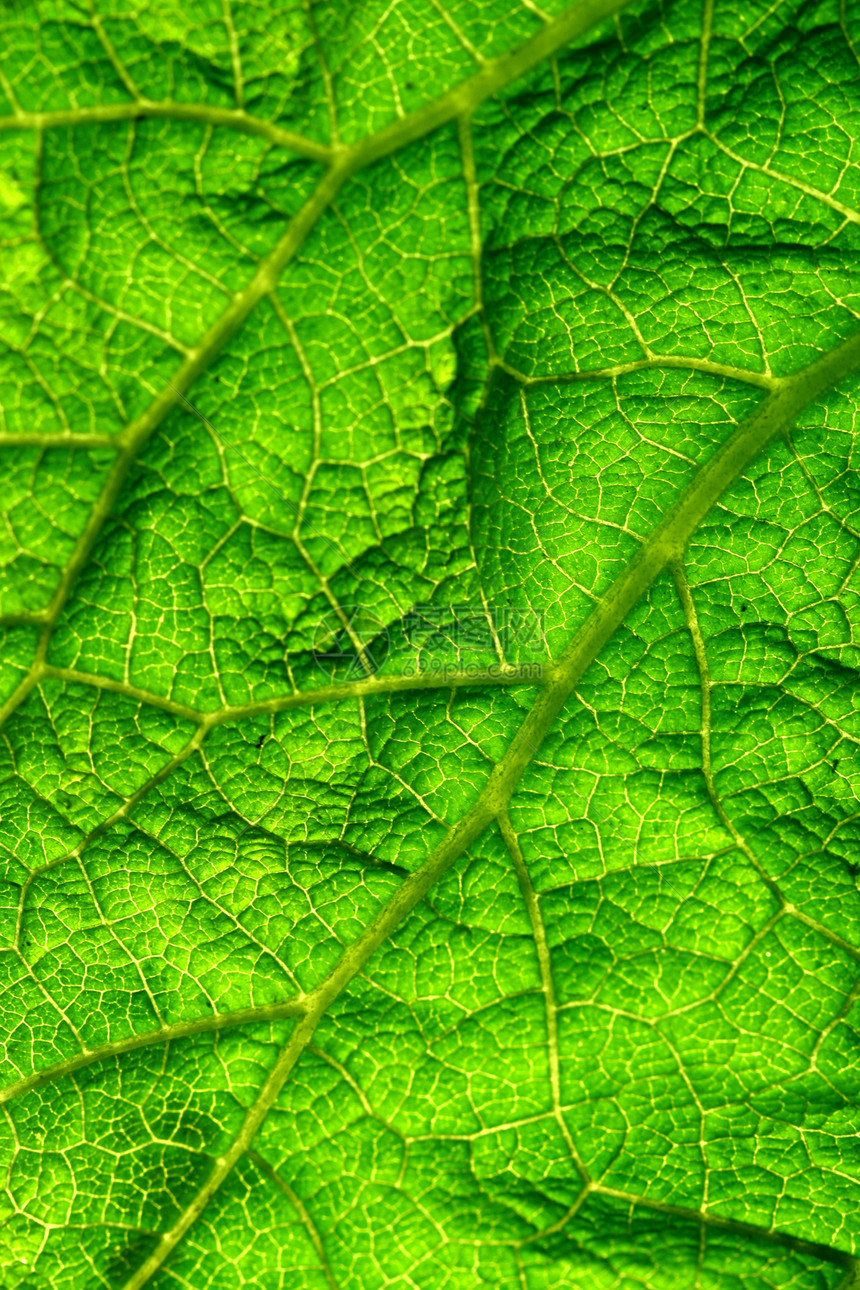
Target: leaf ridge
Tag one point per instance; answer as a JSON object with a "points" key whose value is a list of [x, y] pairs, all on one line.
{"points": [[708, 1219], [197, 113], [550, 1006]]}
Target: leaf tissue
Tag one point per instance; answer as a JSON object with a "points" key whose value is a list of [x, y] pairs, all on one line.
{"points": [[430, 619]]}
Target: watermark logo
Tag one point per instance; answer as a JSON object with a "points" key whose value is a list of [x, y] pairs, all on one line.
{"points": [[352, 642]]}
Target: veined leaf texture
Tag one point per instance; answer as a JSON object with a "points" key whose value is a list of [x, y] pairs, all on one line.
{"points": [[429, 603]]}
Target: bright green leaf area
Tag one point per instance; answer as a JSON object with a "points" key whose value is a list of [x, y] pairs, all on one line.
{"points": [[430, 617]]}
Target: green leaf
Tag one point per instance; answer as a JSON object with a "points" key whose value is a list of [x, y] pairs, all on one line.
{"points": [[429, 604]]}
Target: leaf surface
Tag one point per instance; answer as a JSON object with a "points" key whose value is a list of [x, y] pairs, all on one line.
{"points": [[430, 609]]}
